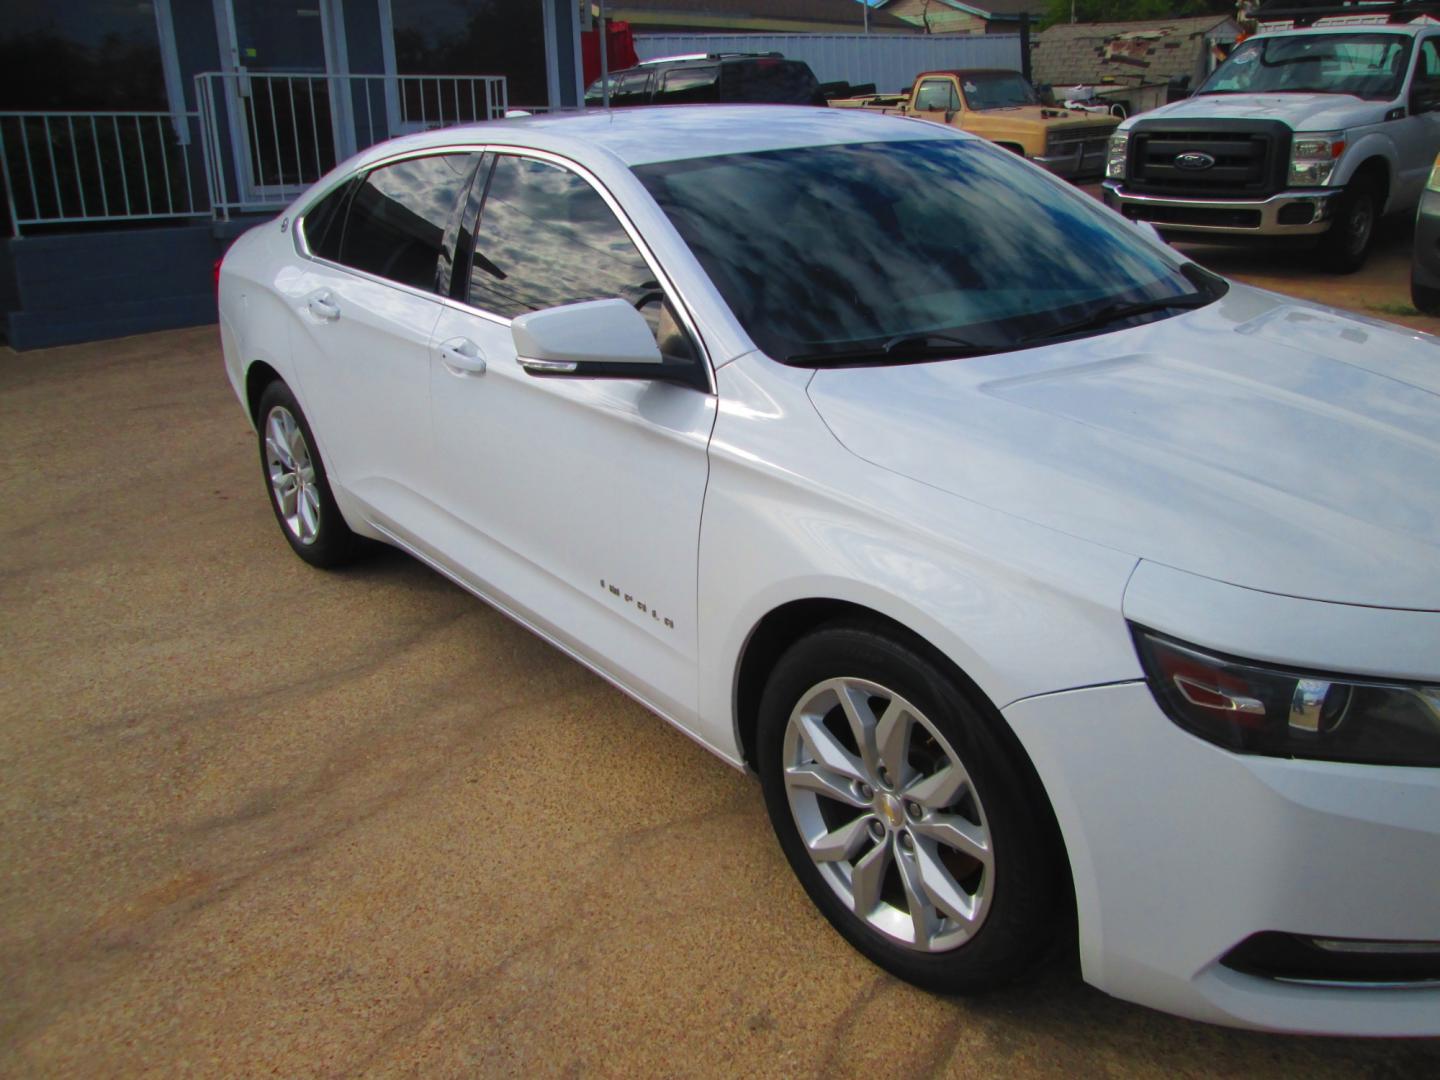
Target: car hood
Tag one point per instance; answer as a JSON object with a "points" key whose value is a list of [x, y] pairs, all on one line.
{"points": [[1268, 443], [1303, 112]]}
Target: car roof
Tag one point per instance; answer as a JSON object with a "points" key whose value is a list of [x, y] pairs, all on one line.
{"points": [[1408, 29], [675, 132]]}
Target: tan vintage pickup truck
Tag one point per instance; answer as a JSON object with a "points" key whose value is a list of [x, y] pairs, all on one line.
{"points": [[1002, 107]]}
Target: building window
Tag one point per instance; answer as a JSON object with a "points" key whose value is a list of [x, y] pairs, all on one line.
{"points": [[474, 37], [80, 55]]}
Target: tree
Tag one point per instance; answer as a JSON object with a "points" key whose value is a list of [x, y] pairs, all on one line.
{"points": [[1087, 11]]}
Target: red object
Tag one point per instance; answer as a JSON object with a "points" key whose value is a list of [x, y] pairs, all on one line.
{"points": [[620, 55], [217, 276]]}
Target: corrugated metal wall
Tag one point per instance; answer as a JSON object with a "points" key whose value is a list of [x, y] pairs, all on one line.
{"points": [[890, 61]]}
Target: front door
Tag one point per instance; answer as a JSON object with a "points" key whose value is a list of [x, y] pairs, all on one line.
{"points": [[576, 502], [286, 124]]}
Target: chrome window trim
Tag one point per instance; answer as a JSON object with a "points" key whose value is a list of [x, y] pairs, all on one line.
{"points": [[667, 285]]}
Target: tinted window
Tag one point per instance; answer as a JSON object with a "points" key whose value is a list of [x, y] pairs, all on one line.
{"points": [[399, 217], [322, 224], [850, 247], [936, 94], [684, 86], [633, 89], [547, 238], [768, 81]]}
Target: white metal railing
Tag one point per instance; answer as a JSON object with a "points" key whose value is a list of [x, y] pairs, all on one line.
{"points": [[63, 168], [266, 136]]}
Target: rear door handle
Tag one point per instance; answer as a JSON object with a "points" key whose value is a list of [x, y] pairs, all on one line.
{"points": [[323, 307], [462, 356]]}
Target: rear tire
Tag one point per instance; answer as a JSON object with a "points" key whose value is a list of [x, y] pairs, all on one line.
{"points": [[904, 811], [299, 489], [1346, 244]]}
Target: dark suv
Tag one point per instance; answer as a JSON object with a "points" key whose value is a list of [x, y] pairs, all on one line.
{"points": [[756, 78]]}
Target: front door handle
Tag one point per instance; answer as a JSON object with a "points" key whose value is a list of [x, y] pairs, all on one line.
{"points": [[462, 356], [323, 307]]}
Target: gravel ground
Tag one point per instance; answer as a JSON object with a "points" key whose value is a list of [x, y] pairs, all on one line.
{"points": [[259, 819]]}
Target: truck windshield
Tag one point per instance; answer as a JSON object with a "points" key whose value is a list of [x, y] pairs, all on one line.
{"points": [[909, 249], [1370, 66], [996, 90]]}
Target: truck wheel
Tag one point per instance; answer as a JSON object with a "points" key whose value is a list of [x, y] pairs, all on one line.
{"points": [[1347, 243]]}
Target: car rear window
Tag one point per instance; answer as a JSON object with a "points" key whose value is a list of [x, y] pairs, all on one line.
{"points": [[769, 81], [689, 86]]}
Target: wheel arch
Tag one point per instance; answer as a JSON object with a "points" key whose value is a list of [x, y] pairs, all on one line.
{"points": [[258, 376], [1373, 163], [786, 624]]}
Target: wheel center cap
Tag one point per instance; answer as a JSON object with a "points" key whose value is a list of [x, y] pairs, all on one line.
{"points": [[892, 809]]}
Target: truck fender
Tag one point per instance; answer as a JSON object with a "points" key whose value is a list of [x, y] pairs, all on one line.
{"points": [[1366, 148]]}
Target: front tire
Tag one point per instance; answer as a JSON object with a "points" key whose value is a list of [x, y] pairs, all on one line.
{"points": [[299, 489], [1426, 298], [1346, 244], [904, 812]]}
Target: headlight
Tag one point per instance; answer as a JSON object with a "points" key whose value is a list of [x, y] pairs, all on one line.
{"points": [[1115, 159], [1313, 157], [1257, 709]]}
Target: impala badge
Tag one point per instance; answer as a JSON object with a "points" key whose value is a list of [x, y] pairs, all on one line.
{"points": [[1194, 160]]}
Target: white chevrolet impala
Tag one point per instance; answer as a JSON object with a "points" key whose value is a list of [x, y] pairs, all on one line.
{"points": [[1034, 569]]}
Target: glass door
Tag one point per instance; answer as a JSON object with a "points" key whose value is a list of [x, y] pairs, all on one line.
{"points": [[284, 120]]}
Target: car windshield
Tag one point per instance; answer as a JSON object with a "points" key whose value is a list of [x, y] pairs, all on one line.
{"points": [[830, 250], [1363, 65], [997, 90]]}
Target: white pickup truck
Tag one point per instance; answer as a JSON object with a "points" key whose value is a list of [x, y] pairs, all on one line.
{"points": [[1317, 131]]}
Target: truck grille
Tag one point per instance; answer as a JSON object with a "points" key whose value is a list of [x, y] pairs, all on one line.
{"points": [[1251, 158]]}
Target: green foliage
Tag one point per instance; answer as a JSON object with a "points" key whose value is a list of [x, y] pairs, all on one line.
{"points": [[1058, 11]]}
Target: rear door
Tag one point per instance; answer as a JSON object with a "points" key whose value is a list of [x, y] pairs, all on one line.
{"points": [[365, 305]]}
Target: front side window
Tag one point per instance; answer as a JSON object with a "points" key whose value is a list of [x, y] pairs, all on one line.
{"points": [[400, 218], [868, 246], [1364, 65], [937, 94], [546, 238]]}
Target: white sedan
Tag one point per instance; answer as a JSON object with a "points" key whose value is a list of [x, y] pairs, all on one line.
{"points": [[1034, 569]]}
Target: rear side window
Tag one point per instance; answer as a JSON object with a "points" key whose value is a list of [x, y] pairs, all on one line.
{"points": [[322, 224], [689, 86], [401, 216], [768, 81]]}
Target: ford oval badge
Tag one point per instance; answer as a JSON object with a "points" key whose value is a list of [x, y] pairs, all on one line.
{"points": [[1194, 160]]}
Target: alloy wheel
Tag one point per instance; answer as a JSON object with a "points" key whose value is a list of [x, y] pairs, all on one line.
{"points": [[292, 475], [888, 814]]}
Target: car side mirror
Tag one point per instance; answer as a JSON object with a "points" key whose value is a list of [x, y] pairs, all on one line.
{"points": [[597, 339]]}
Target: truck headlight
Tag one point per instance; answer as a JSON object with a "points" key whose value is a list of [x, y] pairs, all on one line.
{"points": [[1115, 157], [1313, 157], [1263, 709]]}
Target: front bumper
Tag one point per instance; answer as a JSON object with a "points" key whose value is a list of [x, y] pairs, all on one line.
{"points": [[1290, 213], [1076, 160], [1180, 851]]}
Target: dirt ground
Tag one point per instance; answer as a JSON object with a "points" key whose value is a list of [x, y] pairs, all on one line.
{"points": [[257, 819]]}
